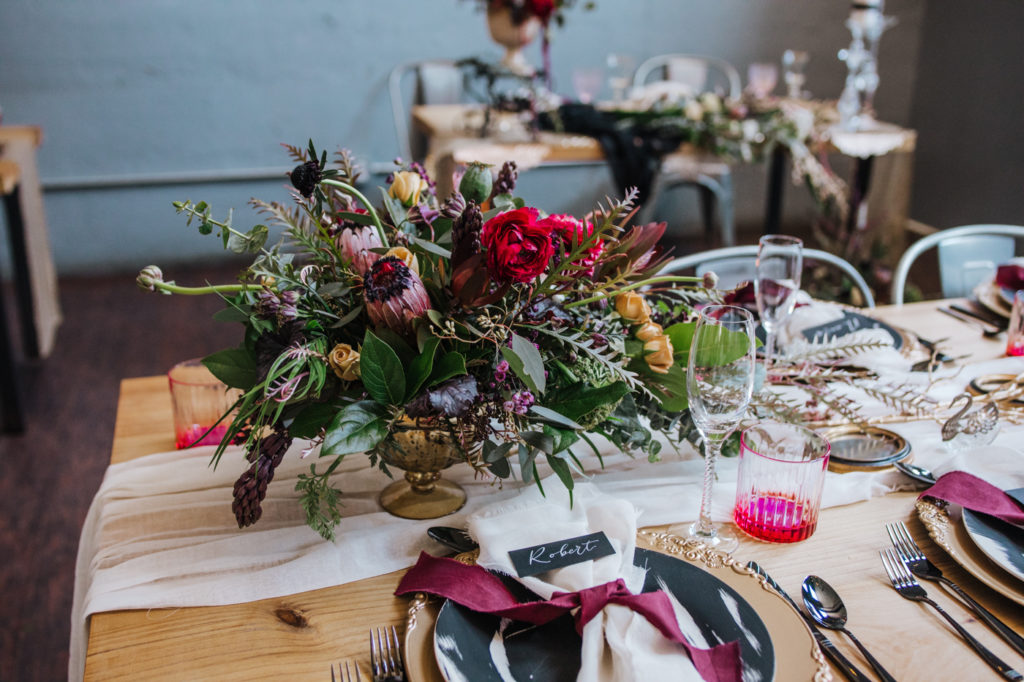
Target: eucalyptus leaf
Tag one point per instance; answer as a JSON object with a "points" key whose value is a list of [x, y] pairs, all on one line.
{"points": [[562, 438], [561, 469], [525, 360], [549, 415], [539, 440], [430, 247], [396, 210]]}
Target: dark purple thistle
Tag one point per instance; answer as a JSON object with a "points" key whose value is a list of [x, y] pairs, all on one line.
{"points": [[306, 176]]}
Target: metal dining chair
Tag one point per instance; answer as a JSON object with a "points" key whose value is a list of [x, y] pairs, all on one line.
{"points": [[434, 81], [710, 175], [968, 255], [735, 264]]}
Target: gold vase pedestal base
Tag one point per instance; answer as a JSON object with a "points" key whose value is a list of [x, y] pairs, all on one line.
{"points": [[422, 496]]}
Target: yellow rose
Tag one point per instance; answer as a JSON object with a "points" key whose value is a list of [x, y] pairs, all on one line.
{"points": [[649, 330], [633, 307], [658, 354], [406, 256], [344, 360], [406, 187]]}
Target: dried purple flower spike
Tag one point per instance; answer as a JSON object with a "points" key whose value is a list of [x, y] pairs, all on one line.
{"points": [[507, 176], [466, 234], [251, 486], [395, 295], [306, 176]]}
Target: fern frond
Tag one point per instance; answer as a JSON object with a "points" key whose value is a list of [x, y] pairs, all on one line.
{"points": [[294, 218], [606, 355], [297, 154], [831, 348]]}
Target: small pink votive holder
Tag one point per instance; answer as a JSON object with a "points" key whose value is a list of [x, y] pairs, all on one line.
{"points": [[781, 476], [1015, 330], [199, 400]]}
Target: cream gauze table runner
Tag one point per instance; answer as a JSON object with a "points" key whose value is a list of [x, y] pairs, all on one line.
{"points": [[160, 531]]}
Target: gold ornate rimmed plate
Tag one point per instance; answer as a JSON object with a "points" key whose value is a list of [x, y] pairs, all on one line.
{"points": [[796, 655], [946, 528]]}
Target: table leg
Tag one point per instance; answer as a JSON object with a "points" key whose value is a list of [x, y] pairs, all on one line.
{"points": [[776, 188], [11, 419], [857, 217], [22, 277]]}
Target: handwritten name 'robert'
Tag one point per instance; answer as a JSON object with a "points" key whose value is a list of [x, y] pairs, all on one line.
{"points": [[541, 554]]}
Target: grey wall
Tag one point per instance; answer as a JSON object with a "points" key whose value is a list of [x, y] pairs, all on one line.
{"points": [[967, 108], [126, 88]]}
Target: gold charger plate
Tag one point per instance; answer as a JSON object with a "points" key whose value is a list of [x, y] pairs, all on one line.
{"points": [[946, 528], [797, 656]]}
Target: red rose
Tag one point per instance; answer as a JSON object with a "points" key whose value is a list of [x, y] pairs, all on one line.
{"points": [[543, 9], [518, 246], [569, 228]]}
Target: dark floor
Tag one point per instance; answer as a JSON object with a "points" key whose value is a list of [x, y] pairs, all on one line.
{"points": [[49, 475]]}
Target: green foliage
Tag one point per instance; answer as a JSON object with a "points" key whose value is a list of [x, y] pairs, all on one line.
{"points": [[526, 361], [382, 372], [357, 428], [234, 366], [320, 502]]}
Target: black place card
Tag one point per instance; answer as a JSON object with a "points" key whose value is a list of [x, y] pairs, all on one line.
{"points": [[849, 323], [560, 553]]}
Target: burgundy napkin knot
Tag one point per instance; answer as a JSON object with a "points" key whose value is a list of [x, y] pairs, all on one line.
{"points": [[476, 588], [1010, 276], [960, 487]]}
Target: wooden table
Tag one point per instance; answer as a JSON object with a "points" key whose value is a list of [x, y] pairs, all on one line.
{"points": [[299, 636]]}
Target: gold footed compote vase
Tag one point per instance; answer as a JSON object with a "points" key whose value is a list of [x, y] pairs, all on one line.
{"points": [[513, 35], [422, 450]]}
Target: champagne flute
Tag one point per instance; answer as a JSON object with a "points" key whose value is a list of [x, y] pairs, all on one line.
{"points": [[719, 383], [780, 260]]}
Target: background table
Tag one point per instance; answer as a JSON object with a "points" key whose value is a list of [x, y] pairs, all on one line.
{"points": [[299, 636]]}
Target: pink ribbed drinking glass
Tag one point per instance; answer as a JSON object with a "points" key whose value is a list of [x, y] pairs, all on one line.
{"points": [[199, 402], [781, 475]]}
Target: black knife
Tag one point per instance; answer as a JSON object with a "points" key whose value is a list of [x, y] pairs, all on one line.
{"points": [[988, 318], [828, 648]]}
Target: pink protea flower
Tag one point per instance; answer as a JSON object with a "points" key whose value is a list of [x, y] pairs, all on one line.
{"points": [[566, 228], [395, 295], [355, 243]]}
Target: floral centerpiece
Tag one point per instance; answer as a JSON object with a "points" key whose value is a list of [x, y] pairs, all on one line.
{"points": [[515, 23], [505, 332]]}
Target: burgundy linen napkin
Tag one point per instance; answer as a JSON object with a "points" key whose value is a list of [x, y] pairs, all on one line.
{"points": [[479, 590], [960, 487], [1010, 276]]}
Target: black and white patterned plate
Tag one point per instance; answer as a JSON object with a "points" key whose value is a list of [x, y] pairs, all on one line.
{"points": [[1000, 541], [479, 648]]}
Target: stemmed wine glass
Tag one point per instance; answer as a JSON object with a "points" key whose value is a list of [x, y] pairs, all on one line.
{"points": [[719, 383], [780, 260]]}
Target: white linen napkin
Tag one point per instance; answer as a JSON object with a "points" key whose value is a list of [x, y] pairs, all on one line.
{"points": [[619, 644]]}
